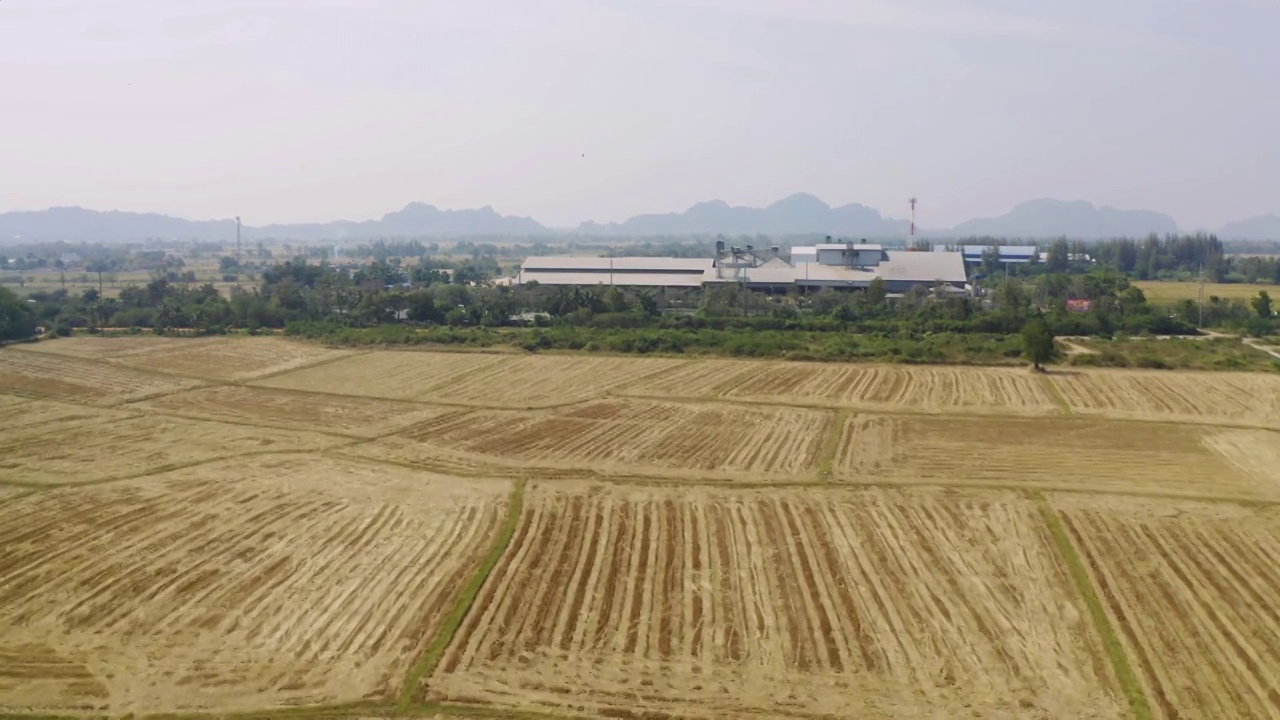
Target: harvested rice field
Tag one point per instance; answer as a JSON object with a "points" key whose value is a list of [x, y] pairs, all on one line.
{"points": [[921, 389], [1228, 398], [269, 407], [1193, 598], [745, 442], [202, 527], [694, 603], [44, 375], [249, 584], [1124, 457], [386, 374]]}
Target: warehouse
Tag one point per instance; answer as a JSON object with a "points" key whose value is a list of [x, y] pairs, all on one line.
{"points": [[846, 266], [621, 271], [1004, 253]]}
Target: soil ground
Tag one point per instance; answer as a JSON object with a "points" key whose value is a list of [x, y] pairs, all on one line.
{"points": [[251, 524]]}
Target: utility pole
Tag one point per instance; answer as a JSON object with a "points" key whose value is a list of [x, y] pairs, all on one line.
{"points": [[237, 239], [1201, 322]]}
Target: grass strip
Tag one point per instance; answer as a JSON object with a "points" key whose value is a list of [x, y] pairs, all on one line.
{"points": [[485, 711], [435, 651], [1125, 674], [831, 444], [1058, 395]]}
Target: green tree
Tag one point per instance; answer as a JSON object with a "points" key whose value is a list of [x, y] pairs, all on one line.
{"points": [[16, 320], [876, 293], [615, 301], [1262, 304], [1059, 260], [1037, 342]]}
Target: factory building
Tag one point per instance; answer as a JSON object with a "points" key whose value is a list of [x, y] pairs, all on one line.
{"points": [[850, 266], [1004, 253]]}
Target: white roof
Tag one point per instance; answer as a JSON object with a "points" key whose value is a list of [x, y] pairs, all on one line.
{"points": [[924, 266], [899, 265], [1001, 249], [633, 279], [846, 246], [661, 264]]}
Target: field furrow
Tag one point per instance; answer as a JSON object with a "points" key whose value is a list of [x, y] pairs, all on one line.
{"points": [[1232, 398], [233, 589], [395, 375], [42, 375], [908, 597], [664, 438], [1006, 391], [1060, 453], [1193, 597]]}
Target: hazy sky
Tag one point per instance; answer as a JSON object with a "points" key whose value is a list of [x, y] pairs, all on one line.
{"points": [[293, 110]]}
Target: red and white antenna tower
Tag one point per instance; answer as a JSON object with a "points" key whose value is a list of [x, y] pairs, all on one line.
{"points": [[912, 203]]}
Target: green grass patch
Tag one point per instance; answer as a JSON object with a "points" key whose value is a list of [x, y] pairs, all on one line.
{"points": [[1225, 353], [830, 444], [1058, 396], [436, 649], [1128, 679]]}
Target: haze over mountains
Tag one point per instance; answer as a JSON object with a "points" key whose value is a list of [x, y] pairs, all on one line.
{"points": [[798, 214]]}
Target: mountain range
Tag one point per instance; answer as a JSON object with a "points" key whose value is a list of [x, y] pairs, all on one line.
{"points": [[799, 214]]}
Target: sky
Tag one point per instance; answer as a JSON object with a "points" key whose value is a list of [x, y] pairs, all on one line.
{"points": [[574, 110]]}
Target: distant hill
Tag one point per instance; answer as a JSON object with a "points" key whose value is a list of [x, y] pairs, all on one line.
{"points": [[794, 215], [416, 219], [1054, 218], [799, 214], [80, 225], [1263, 227]]}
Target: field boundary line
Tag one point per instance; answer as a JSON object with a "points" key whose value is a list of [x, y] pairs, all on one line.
{"points": [[426, 665], [201, 385], [485, 711], [965, 414], [355, 709], [26, 492], [1057, 393], [244, 423], [306, 366], [424, 403], [524, 471], [1130, 685], [831, 444], [174, 467], [466, 375]]}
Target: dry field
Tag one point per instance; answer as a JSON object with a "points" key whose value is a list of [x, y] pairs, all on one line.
{"points": [[386, 374], [233, 359], [73, 448], [694, 378], [757, 443], [543, 381], [715, 604], [1194, 595], [1234, 398], [263, 524], [1076, 453], [66, 378], [235, 586], [268, 407], [473, 379], [1161, 291], [918, 389]]}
